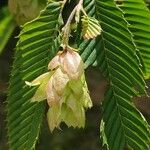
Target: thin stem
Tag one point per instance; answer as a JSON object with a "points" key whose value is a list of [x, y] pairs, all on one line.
{"points": [[66, 28], [84, 12], [80, 2]]}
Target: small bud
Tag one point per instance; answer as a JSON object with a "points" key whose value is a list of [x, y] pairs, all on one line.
{"points": [[90, 27]]}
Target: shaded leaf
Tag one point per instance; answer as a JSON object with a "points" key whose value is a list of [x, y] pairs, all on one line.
{"points": [[7, 26], [138, 16], [35, 48], [124, 125]]}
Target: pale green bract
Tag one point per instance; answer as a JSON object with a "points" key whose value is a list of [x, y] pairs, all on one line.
{"points": [[65, 89], [90, 27]]}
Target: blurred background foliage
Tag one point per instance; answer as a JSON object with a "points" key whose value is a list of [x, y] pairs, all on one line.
{"points": [[66, 138]]}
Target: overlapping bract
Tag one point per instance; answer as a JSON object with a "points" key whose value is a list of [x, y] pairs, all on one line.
{"points": [[65, 89]]}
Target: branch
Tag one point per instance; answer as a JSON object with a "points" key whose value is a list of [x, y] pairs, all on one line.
{"points": [[66, 28]]}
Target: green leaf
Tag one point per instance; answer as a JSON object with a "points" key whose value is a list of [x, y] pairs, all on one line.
{"points": [[138, 16], [115, 54], [7, 26], [35, 48], [124, 126], [87, 47], [41, 81]]}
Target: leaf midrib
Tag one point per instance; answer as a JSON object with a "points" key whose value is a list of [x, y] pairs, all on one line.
{"points": [[114, 95]]}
